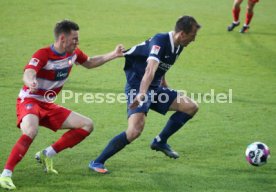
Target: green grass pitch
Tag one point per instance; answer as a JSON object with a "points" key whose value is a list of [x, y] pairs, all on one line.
{"points": [[211, 145]]}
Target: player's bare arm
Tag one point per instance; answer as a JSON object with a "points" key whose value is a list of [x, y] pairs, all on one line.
{"points": [[29, 79], [97, 61], [145, 83]]}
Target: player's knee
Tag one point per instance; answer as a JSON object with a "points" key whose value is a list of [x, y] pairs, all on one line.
{"points": [[29, 125], [88, 125], [194, 108], [250, 10], [30, 130], [237, 5], [134, 132], [190, 108]]}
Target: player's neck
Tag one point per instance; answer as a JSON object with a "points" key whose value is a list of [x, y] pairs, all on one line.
{"points": [[175, 39], [59, 48]]}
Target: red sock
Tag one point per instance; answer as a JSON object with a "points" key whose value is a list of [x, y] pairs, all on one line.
{"points": [[18, 151], [248, 18], [70, 139], [236, 14]]}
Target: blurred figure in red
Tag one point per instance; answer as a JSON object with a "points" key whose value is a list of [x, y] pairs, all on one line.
{"points": [[236, 14]]}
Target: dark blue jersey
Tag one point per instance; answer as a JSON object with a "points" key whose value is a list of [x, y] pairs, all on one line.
{"points": [[160, 48]]}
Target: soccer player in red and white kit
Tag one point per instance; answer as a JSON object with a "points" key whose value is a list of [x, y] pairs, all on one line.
{"points": [[236, 13], [44, 76]]}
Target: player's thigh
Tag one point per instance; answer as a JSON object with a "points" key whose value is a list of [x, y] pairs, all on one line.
{"points": [[253, 1], [163, 99], [27, 112], [184, 104], [29, 125], [76, 120], [136, 123], [53, 116]]}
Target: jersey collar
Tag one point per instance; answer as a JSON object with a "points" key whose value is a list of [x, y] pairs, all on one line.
{"points": [[55, 51], [171, 40]]}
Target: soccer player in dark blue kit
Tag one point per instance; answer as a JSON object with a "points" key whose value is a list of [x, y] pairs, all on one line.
{"points": [[146, 88]]}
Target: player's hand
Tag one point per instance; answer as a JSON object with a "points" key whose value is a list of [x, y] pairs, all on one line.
{"points": [[138, 101], [164, 83], [33, 86], [119, 50]]}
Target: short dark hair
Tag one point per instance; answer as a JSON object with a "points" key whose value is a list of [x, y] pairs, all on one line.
{"points": [[186, 23], [65, 26]]}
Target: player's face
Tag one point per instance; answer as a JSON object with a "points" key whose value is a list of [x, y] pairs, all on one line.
{"points": [[71, 41], [187, 38]]}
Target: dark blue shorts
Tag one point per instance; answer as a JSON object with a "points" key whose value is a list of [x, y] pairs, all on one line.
{"points": [[159, 99]]}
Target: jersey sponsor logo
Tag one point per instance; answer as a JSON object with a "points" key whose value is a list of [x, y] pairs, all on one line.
{"points": [[155, 49], [164, 66], [34, 62], [62, 74]]}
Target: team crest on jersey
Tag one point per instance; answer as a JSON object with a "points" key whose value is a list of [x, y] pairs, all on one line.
{"points": [[155, 49], [29, 106], [34, 62]]}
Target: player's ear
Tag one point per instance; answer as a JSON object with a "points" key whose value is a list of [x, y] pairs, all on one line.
{"points": [[182, 34], [62, 37]]}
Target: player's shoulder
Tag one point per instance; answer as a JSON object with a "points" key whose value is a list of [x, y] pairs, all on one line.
{"points": [[161, 36], [43, 52], [45, 49]]}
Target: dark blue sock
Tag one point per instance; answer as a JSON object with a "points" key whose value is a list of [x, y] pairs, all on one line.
{"points": [[114, 146], [176, 121]]}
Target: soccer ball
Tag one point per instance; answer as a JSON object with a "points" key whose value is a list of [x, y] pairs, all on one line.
{"points": [[257, 153]]}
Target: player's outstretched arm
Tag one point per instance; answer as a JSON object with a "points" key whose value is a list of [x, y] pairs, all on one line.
{"points": [[97, 61], [29, 78]]}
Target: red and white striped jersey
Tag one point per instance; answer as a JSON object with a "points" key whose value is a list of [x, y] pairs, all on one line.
{"points": [[52, 70]]}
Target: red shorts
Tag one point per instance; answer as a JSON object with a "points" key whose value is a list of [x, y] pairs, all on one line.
{"points": [[50, 115], [254, 1]]}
